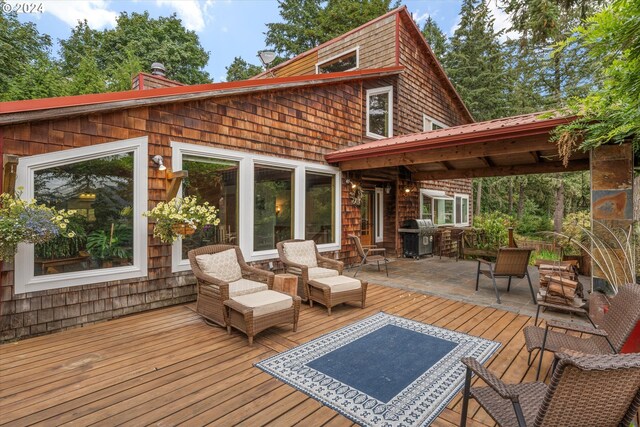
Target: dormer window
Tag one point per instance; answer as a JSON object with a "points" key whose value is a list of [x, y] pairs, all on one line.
{"points": [[345, 61], [429, 123]]}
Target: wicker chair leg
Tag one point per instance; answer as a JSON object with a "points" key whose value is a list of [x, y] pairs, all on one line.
{"points": [[250, 340], [228, 329], [533, 294], [465, 398]]}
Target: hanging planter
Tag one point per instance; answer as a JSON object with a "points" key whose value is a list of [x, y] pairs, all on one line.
{"points": [[181, 217], [356, 196]]}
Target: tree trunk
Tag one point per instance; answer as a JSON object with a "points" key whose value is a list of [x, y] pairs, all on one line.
{"points": [[511, 195], [521, 199], [558, 214], [478, 197]]}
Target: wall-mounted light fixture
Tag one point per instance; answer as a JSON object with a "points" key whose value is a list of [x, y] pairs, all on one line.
{"points": [[353, 183], [278, 210], [158, 160], [387, 188]]}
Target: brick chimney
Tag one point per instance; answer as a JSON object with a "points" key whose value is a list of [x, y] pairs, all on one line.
{"points": [[154, 80]]}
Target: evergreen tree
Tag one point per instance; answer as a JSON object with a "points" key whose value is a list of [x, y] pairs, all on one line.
{"points": [[435, 37], [88, 78], [475, 62], [241, 70], [41, 78], [308, 23]]}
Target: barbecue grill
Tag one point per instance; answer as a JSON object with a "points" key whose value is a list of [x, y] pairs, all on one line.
{"points": [[417, 237]]}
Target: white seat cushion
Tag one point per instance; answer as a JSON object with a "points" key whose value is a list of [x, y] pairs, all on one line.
{"points": [[301, 252], [340, 283], [265, 302], [320, 272], [222, 265], [245, 287]]}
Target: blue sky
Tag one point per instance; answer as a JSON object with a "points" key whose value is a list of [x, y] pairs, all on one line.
{"points": [[226, 28]]}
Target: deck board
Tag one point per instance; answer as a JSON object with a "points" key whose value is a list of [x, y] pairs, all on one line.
{"points": [[167, 367]]}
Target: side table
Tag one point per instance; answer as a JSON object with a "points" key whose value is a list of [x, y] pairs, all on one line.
{"points": [[286, 283]]}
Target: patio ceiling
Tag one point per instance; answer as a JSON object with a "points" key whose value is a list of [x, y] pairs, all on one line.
{"points": [[516, 145]]}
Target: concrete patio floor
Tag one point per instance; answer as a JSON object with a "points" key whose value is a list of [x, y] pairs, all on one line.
{"points": [[448, 278]]}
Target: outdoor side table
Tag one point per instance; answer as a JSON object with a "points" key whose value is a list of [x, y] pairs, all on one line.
{"points": [[253, 313], [331, 291], [287, 283]]}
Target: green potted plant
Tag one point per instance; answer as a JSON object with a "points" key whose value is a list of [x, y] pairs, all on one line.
{"points": [[110, 246], [181, 216], [26, 221]]}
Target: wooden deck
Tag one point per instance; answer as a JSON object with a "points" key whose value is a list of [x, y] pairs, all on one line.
{"points": [[167, 367]]}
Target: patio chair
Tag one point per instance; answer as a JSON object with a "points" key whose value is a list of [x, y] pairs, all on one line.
{"points": [[585, 390], [511, 262], [222, 273], [369, 254], [619, 321], [301, 257]]}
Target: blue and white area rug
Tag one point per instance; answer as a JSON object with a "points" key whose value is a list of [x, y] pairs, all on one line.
{"points": [[382, 371]]}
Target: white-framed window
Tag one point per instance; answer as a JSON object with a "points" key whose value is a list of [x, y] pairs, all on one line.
{"points": [[345, 61], [380, 112], [275, 199], [429, 123], [379, 213], [462, 209], [107, 185]]}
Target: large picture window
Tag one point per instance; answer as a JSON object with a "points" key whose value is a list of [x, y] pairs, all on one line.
{"points": [[272, 207], [320, 208], [215, 181], [106, 185], [380, 112]]}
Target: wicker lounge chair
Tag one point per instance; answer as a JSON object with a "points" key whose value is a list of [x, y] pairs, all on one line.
{"points": [[301, 257], [618, 323], [214, 291], [369, 255], [585, 390], [511, 262]]}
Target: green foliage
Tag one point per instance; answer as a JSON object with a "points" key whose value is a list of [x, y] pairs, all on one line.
{"points": [[179, 211], [435, 37], [240, 69], [65, 246], [308, 23], [530, 225], [545, 255], [475, 62], [111, 244], [494, 229], [88, 78], [610, 112]]}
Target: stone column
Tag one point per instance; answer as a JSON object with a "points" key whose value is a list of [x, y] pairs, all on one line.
{"points": [[612, 197]]}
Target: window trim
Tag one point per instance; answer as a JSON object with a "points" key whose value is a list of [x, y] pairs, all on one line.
{"points": [[457, 220], [377, 91], [431, 121], [25, 279], [437, 195], [343, 53], [378, 211], [247, 162]]}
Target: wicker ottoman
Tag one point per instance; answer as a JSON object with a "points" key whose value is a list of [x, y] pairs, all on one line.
{"points": [[258, 311], [331, 291]]}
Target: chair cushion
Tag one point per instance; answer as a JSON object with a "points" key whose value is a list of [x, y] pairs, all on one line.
{"points": [[245, 287], [320, 272], [301, 252], [222, 265], [265, 302], [340, 283]]}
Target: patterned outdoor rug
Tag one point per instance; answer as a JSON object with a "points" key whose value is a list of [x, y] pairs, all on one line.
{"points": [[382, 371]]}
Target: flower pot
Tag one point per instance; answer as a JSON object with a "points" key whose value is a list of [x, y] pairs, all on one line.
{"points": [[183, 229]]}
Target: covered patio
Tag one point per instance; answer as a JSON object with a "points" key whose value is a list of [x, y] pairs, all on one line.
{"points": [[158, 367]]}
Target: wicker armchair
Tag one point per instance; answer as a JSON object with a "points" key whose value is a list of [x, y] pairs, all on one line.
{"points": [[369, 255], [212, 292], [302, 270], [618, 323], [585, 390], [511, 262]]}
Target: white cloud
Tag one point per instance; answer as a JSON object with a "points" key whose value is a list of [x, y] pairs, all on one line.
{"points": [[191, 12], [96, 12], [502, 21], [419, 18]]}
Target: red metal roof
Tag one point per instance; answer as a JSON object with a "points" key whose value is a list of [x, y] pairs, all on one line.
{"points": [[171, 92], [504, 128]]}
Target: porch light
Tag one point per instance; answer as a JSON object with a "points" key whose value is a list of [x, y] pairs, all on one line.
{"points": [[387, 188], [158, 160], [407, 190]]}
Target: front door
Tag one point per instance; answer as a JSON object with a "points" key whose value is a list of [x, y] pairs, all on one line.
{"points": [[366, 218]]}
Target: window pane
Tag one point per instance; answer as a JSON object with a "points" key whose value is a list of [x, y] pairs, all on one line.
{"points": [[214, 181], [459, 209], [379, 114], [435, 126], [101, 191], [426, 208], [319, 208], [343, 63], [443, 211], [465, 210], [272, 207]]}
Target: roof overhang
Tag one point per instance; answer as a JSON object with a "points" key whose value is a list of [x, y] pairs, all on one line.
{"points": [[49, 108], [517, 145]]}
